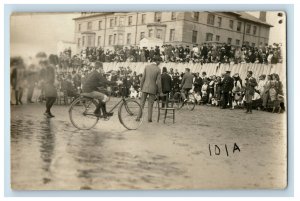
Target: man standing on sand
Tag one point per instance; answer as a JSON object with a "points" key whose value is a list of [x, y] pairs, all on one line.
{"points": [[150, 86], [186, 84], [249, 91]]}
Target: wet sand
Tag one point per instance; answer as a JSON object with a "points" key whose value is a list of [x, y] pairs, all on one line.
{"points": [[54, 155]]}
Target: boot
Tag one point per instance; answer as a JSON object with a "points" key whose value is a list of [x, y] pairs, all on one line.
{"points": [[97, 111], [247, 107], [105, 113], [250, 108]]}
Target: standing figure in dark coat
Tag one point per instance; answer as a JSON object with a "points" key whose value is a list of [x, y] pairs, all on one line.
{"points": [[226, 88], [166, 85], [48, 79]]}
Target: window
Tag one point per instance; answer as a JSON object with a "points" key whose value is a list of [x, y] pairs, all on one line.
{"points": [[143, 18], [173, 16], [111, 23], [157, 16], [248, 28], [150, 35], [239, 26], [253, 44], [237, 42], [159, 33], [142, 35], [79, 27], [121, 21], [116, 19], [130, 20], [83, 40], [120, 39], [90, 41], [229, 40], [254, 30], [231, 24], [100, 25], [219, 21], [210, 19], [172, 35], [110, 38], [78, 42], [194, 37], [115, 38], [217, 38], [196, 16], [89, 26], [99, 41], [128, 38], [209, 36], [246, 42]]}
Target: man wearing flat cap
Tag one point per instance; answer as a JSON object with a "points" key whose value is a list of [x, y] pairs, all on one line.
{"points": [[94, 82], [226, 88], [249, 91]]}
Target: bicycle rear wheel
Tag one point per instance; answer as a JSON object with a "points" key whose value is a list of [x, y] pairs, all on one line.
{"points": [[130, 114], [81, 113], [191, 101]]}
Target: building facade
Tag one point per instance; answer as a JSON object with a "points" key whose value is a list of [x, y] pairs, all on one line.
{"points": [[112, 29]]}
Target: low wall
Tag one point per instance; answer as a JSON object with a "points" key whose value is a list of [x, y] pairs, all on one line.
{"points": [[210, 68]]}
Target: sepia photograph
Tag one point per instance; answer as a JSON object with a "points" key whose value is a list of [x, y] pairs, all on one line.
{"points": [[148, 100]]}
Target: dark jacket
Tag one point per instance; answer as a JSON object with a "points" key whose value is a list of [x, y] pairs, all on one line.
{"points": [[227, 84], [93, 81], [166, 83]]}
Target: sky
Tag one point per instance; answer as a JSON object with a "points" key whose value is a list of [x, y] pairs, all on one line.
{"points": [[31, 33]]}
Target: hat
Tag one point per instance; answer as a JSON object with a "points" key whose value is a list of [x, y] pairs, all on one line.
{"points": [[228, 71], [236, 75], [98, 65], [262, 76], [250, 72]]}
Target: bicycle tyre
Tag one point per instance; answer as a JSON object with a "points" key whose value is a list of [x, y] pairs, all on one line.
{"points": [[79, 114], [130, 114]]}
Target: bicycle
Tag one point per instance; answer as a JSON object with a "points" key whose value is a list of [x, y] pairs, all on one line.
{"points": [[81, 112], [179, 103]]}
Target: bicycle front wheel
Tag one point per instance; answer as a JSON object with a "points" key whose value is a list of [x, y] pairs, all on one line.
{"points": [[177, 100], [81, 113], [130, 114]]}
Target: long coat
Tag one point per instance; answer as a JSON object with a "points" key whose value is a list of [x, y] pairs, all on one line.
{"points": [[250, 86], [166, 83], [48, 77], [151, 80]]}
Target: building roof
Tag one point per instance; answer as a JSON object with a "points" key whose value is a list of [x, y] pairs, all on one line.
{"points": [[246, 16], [241, 15]]}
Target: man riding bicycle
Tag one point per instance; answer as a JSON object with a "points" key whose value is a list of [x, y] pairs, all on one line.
{"points": [[186, 84], [95, 87]]}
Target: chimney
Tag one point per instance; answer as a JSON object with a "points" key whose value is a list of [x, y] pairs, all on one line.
{"points": [[263, 15]]}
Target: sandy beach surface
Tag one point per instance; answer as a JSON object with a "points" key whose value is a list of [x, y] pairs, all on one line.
{"points": [[251, 151]]}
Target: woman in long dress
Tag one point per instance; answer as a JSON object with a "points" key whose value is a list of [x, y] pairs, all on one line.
{"points": [[273, 92]]}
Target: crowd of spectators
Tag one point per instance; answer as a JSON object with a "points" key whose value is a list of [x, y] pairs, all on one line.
{"points": [[206, 53]]}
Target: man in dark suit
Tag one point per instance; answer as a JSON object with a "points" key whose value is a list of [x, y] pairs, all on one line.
{"points": [[186, 83], [150, 86], [166, 85], [226, 88], [198, 82]]}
